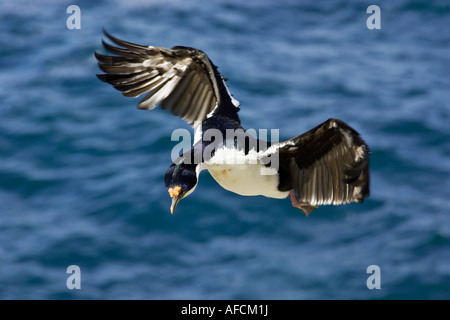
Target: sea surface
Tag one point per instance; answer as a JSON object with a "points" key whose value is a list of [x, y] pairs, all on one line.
{"points": [[81, 168]]}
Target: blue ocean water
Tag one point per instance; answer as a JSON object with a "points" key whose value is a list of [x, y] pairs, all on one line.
{"points": [[81, 169]]}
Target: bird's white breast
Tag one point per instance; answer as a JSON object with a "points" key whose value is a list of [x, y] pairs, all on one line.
{"points": [[244, 174]]}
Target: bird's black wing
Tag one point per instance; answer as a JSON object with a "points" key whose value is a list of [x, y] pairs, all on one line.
{"points": [[329, 164], [182, 79]]}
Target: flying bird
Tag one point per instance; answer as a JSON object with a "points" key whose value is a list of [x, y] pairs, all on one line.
{"points": [[327, 165]]}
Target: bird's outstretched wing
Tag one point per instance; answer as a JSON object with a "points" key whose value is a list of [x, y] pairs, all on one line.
{"points": [[329, 164], [182, 79]]}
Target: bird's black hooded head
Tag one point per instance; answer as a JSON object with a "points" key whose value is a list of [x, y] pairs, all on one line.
{"points": [[180, 181]]}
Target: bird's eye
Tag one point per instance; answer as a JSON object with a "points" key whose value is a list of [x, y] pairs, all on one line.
{"points": [[184, 187]]}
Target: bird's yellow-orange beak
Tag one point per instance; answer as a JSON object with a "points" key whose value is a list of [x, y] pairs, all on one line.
{"points": [[175, 195], [175, 201]]}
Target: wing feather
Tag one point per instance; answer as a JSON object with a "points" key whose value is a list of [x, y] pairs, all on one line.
{"points": [[182, 80], [328, 164]]}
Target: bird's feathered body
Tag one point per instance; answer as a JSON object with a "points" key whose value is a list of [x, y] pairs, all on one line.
{"points": [[246, 179], [326, 165]]}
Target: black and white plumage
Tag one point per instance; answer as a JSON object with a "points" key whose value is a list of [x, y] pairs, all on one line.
{"points": [[180, 79], [328, 164]]}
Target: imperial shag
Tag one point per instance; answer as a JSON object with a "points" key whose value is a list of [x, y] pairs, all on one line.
{"points": [[328, 164]]}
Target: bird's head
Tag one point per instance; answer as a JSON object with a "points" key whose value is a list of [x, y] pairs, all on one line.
{"points": [[180, 181]]}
